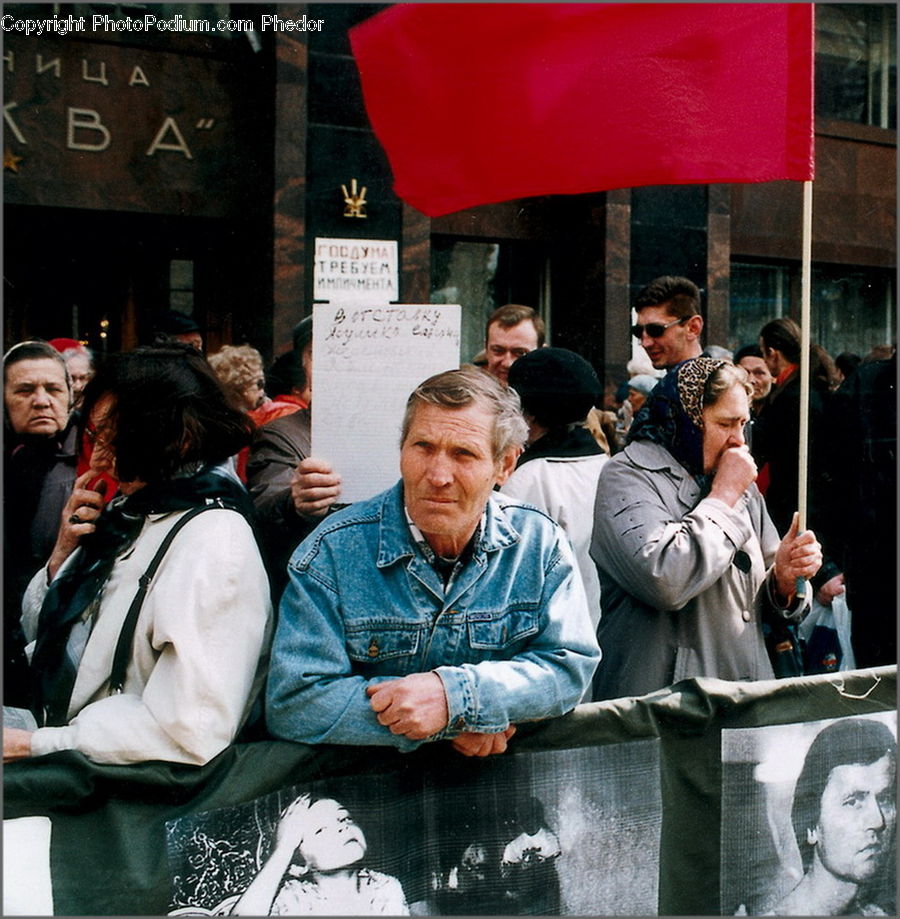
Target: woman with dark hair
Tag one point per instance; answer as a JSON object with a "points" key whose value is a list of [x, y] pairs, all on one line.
{"points": [[167, 671], [688, 559]]}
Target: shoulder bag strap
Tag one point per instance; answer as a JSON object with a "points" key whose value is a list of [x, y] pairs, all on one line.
{"points": [[126, 636]]}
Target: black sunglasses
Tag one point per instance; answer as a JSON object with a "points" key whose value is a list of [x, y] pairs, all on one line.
{"points": [[655, 329]]}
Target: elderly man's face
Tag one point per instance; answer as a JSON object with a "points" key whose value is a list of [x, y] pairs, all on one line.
{"points": [[448, 469], [505, 345], [37, 396], [857, 816], [760, 377], [80, 374]]}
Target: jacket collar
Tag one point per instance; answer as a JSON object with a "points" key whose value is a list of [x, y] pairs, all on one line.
{"points": [[395, 540], [654, 458]]}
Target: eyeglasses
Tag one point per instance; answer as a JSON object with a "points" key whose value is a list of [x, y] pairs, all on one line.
{"points": [[655, 329], [96, 436]]}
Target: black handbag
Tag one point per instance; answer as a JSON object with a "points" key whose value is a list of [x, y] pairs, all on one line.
{"points": [[784, 646]]}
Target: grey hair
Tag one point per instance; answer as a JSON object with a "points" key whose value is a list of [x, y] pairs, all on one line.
{"points": [[467, 386], [723, 379]]}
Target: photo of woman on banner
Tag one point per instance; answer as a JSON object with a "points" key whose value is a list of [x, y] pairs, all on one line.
{"points": [[822, 819]]}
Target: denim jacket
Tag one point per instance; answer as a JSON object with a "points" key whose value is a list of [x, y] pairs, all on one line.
{"points": [[510, 637]]}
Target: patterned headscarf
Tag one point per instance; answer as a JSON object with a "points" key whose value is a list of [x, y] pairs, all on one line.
{"points": [[672, 416]]}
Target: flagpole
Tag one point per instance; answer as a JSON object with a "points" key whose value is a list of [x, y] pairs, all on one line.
{"points": [[805, 313]]}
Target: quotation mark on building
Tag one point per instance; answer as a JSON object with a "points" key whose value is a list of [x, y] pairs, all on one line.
{"points": [[205, 124]]}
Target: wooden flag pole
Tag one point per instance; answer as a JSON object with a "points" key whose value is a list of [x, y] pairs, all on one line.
{"points": [[805, 313]]}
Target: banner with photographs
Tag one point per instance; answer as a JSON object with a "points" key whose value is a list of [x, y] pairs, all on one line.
{"points": [[525, 835], [809, 817], [682, 802]]}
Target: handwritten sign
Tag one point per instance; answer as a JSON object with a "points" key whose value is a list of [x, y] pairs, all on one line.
{"points": [[366, 362], [355, 270]]}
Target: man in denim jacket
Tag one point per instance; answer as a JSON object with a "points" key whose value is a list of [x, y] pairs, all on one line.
{"points": [[439, 608]]}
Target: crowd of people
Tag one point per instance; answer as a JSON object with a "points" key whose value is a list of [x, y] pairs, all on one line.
{"points": [[181, 570]]}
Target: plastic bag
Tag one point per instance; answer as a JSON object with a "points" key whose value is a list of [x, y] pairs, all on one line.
{"points": [[826, 635]]}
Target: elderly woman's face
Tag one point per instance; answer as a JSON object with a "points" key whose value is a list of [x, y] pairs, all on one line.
{"points": [[637, 399], [723, 425], [331, 839], [99, 434], [37, 396], [253, 394]]}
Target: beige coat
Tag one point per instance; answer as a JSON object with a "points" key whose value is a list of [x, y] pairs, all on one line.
{"points": [[675, 605], [199, 649]]}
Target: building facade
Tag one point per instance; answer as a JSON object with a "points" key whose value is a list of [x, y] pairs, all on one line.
{"points": [[214, 163]]}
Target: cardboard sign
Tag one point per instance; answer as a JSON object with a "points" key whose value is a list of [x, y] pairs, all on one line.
{"points": [[366, 362], [355, 270]]}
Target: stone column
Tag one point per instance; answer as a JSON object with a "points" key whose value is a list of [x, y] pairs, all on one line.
{"points": [[617, 309], [289, 204]]}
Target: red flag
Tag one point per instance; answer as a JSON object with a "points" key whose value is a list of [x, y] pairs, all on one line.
{"points": [[486, 102]]}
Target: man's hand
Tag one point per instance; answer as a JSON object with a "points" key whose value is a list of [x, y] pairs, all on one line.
{"points": [[735, 473], [414, 705], [472, 743], [315, 486], [799, 555], [16, 744], [830, 589]]}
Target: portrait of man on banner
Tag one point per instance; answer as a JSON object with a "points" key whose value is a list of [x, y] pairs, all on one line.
{"points": [[819, 802]]}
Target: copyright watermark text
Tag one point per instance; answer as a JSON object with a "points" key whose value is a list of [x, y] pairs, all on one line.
{"points": [[101, 22]]}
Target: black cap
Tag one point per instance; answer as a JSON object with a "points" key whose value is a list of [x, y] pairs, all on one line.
{"points": [[174, 323], [556, 386]]}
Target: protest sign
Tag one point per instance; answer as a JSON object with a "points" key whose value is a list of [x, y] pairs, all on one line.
{"points": [[357, 270], [366, 362]]}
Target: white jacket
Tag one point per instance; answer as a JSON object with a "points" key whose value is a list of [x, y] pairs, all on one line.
{"points": [[199, 653], [564, 488]]}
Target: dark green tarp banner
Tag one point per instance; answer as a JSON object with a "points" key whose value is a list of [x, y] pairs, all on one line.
{"points": [[108, 853]]}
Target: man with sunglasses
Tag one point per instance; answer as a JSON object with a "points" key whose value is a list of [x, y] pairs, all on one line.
{"points": [[669, 321]]}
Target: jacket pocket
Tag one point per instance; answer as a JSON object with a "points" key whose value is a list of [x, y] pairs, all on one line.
{"points": [[496, 631], [376, 642]]}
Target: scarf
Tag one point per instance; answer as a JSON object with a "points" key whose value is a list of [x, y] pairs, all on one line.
{"points": [[672, 416], [80, 584]]}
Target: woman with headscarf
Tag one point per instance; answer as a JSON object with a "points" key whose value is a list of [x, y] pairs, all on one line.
{"points": [[687, 556], [167, 670]]}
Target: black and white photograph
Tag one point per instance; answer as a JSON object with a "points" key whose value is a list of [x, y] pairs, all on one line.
{"points": [[339, 847], [809, 818], [573, 832]]}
